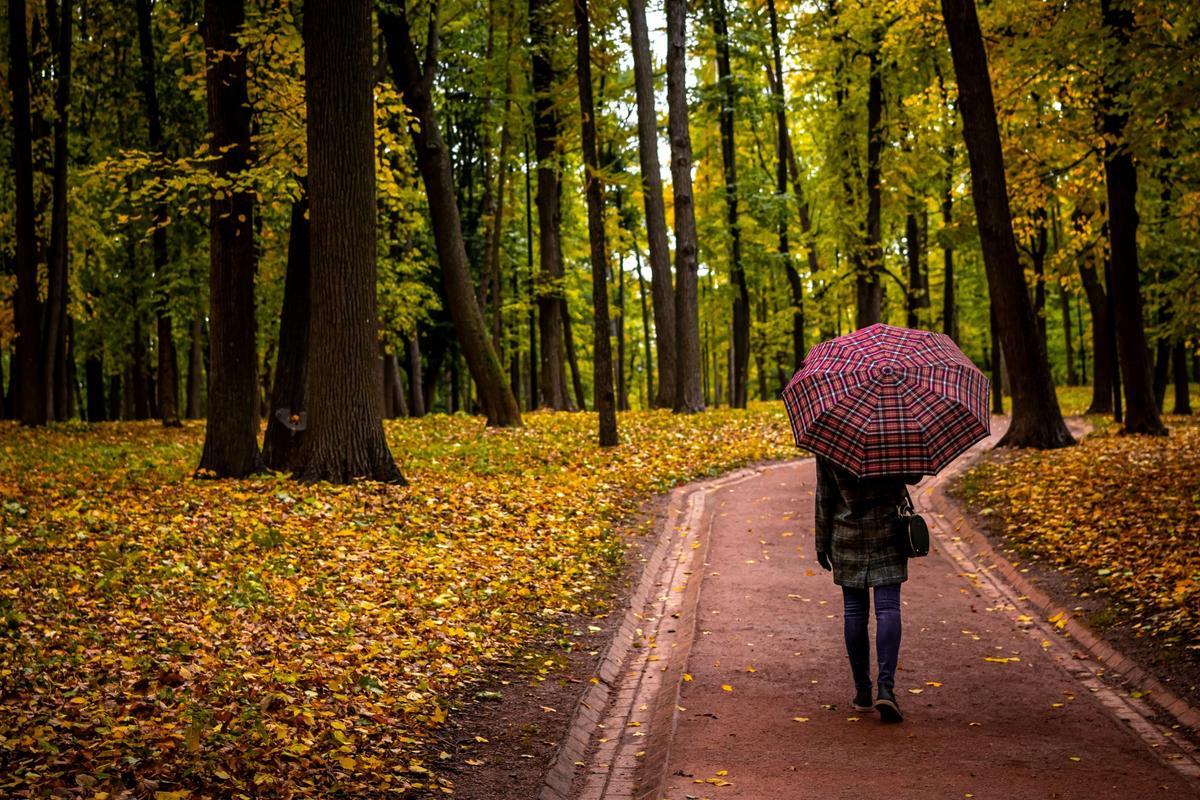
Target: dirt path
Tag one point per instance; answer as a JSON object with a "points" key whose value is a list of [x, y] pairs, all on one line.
{"points": [[764, 712]]}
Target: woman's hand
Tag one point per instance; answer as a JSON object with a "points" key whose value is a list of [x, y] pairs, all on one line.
{"points": [[823, 560]]}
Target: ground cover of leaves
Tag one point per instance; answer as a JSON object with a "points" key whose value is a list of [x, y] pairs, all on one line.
{"points": [[169, 638], [1123, 512]]}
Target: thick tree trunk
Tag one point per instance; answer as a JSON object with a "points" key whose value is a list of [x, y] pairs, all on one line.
{"points": [[344, 436], [740, 366], [868, 289], [546, 124], [688, 394], [602, 368], [783, 151], [1179, 362], [231, 432], [1036, 418], [168, 365], [415, 82], [662, 293], [916, 280], [288, 415], [1120, 179], [30, 400], [1103, 358]]}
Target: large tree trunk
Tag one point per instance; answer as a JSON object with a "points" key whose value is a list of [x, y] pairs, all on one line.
{"points": [[344, 436], [602, 368], [168, 365], [868, 289], [546, 124], [288, 416], [414, 79], [1120, 179], [1036, 418], [662, 293], [231, 432], [637, 258], [783, 152], [741, 296], [30, 400], [689, 396]]}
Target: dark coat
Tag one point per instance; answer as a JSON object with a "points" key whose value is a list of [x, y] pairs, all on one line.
{"points": [[855, 522]]}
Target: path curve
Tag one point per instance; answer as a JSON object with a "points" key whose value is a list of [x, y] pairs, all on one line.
{"points": [[728, 678]]}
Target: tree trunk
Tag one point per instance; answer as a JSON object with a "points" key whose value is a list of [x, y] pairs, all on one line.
{"points": [[194, 367], [1036, 418], [688, 394], [533, 292], [868, 289], [1179, 361], [344, 437], [1038, 257], [168, 367], [54, 313], [1161, 373], [138, 381], [1103, 357], [662, 293], [637, 258], [1120, 179], [602, 368], [30, 400], [288, 416], [572, 357], [414, 79], [416, 393], [783, 151], [737, 277], [115, 400], [949, 303], [93, 375], [622, 371], [231, 432], [912, 253], [546, 124], [1064, 301]]}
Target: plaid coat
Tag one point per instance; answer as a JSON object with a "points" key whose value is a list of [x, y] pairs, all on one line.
{"points": [[855, 522]]}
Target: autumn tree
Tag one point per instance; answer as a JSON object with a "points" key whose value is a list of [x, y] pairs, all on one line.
{"points": [[231, 432], [1036, 418], [414, 75]]}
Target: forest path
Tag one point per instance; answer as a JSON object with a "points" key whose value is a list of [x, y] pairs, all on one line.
{"points": [[997, 702]]}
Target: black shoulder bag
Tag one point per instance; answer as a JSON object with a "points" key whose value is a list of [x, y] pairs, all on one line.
{"points": [[912, 534]]}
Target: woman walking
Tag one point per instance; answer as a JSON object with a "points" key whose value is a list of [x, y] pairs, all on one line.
{"points": [[856, 540], [879, 408]]}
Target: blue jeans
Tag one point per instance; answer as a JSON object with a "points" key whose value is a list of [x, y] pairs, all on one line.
{"points": [[887, 633]]}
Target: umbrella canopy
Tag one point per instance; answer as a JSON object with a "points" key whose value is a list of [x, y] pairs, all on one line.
{"points": [[888, 401]]}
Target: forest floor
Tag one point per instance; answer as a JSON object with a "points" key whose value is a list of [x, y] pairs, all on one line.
{"points": [[170, 638], [1110, 529]]}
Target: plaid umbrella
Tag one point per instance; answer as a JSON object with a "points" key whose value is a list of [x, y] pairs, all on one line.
{"points": [[888, 401]]}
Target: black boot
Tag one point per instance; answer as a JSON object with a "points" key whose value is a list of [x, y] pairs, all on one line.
{"points": [[862, 700], [889, 710]]}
